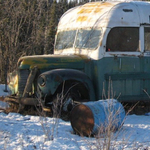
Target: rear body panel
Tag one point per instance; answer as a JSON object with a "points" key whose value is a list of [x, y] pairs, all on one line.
{"points": [[125, 78]]}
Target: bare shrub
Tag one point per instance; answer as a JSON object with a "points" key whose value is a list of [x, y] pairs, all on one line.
{"points": [[106, 138]]}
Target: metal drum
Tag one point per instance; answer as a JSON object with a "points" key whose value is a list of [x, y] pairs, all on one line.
{"points": [[91, 118]]}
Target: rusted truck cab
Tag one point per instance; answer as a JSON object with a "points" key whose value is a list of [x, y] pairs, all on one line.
{"points": [[97, 45]]}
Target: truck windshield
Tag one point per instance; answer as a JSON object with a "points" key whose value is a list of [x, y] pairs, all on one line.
{"points": [[82, 39]]}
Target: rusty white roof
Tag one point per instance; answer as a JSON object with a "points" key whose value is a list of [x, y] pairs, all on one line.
{"points": [[106, 14]]}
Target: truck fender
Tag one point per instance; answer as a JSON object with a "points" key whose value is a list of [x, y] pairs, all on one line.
{"points": [[48, 82]]}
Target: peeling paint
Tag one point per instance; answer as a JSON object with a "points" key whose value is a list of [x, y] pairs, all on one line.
{"points": [[82, 18], [85, 10], [98, 4], [52, 61], [105, 14]]}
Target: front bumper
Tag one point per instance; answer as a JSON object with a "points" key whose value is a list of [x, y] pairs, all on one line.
{"points": [[22, 101]]}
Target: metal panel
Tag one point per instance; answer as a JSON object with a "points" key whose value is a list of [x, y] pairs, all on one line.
{"points": [[97, 117], [23, 75]]}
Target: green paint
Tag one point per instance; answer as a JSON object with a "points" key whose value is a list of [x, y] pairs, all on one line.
{"points": [[130, 76]]}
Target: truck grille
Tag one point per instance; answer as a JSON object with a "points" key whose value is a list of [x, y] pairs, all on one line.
{"points": [[23, 76]]}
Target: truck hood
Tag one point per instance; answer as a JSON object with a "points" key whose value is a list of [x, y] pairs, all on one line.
{"points": [[53, 61]]}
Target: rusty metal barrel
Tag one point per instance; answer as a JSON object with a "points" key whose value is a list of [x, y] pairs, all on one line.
{"points": [[91, 118]]}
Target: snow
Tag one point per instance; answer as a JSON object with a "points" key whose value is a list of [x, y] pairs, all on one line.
{"points": [[18, 132], [2, 88]]}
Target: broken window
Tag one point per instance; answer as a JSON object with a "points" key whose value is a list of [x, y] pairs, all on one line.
{"points": [[83, 39], [88, 39], [123, 39], [147, 38], [65, 39]]}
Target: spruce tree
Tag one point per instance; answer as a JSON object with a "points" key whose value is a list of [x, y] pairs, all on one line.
{"points": [[52, 26]]}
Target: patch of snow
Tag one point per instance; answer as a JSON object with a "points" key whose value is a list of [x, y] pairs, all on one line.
{"points": [[2, 89], [18, 132], [3, 105]]}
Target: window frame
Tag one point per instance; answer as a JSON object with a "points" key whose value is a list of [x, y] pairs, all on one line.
{"points": [[110, 45], [144, 38], [123, 53]]}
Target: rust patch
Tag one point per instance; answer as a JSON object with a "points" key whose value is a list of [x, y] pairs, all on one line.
{"points": [[98, 4], [107, 4], [100, 44], [97, 7], [82, 120], [85, 10], [82, 18], [97, 10], [95, 4]]}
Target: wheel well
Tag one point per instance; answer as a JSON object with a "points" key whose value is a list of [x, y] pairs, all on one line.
{"points": [[69, 85]]}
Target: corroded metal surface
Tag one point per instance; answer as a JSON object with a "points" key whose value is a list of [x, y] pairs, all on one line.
{"points": [[52, 61], [82, 120], [106, 14], [97, 117]]}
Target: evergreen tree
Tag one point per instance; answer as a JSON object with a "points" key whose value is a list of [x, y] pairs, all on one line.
{"points": [[52, 27]]}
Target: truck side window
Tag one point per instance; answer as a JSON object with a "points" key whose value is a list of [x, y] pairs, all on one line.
{"points": [[123, 39], [65, 39], [147, 38], [88, 39]]}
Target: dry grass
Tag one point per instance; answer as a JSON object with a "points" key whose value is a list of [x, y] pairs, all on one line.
{"points": [[2, 98]]}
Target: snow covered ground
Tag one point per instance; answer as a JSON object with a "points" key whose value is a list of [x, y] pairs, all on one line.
{"points": [[18, 132]]}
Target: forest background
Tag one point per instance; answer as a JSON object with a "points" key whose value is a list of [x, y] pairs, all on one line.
{"points": [[28, 27]]}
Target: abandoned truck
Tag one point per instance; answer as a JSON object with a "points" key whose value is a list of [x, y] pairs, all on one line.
{"points": [[95, 43]]}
